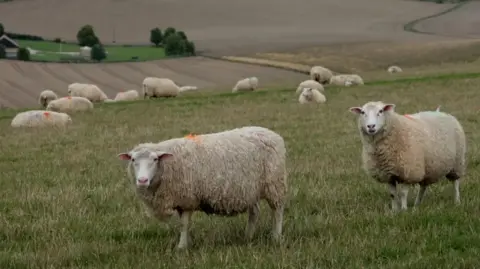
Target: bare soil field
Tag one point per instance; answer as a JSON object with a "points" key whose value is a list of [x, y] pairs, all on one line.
{"points": [[218, 27]]}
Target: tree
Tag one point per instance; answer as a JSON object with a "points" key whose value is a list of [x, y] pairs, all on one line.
{"points": [[3, 52], [86, 36], [2, 29], [23, 54], [174, 45], [169, 31], [98, 52], [156, 36], [182, 35], [190, 48]]}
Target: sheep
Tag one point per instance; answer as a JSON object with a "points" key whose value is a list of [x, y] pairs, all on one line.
{"points": [[394, 69], [159, 87], [246, 84], [346, 80], [225, 173], [320, 74], [402, 150], [70, 104], [90, 91], [40, 118], [188, 88], [310, 84], [310, 95], [127, 96], [108, 100], [45, 97]]}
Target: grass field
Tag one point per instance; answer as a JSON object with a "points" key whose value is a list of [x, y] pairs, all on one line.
{"points": [[66, 202], [115, 53]]}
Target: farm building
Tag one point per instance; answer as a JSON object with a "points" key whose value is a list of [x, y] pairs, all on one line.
{"points": [[11, 47]]}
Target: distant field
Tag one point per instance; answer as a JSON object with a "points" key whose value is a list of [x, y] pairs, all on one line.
{"points": [[48, 51]]}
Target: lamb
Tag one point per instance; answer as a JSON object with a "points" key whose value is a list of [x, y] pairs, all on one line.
{"points": [[70, 104], [310, 95], [46, 96], [394, 69], [310, 84], [246, 84], [346, 80], [320, 74], [127, 96], [159, 87], [225, 173], [40, 118], [411, 149], [90, 91]]}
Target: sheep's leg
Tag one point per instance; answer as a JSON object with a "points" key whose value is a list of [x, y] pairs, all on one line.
{"points": [[253, 214], [185, 220], [392, 187], [456, 187], [403, 195], [420, 195], [277, 220]]}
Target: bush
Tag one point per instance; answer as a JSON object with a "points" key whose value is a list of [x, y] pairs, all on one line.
{"points": [[2, 29], [86, 36], [3, 52], [24, 36], [57, 40], [98, 52], [175, 45], [169, 31], [182, 35], [23, 54], [190, 48], [156, 36]]}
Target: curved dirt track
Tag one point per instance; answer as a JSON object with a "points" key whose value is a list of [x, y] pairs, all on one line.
{"points": [[218, 27]]}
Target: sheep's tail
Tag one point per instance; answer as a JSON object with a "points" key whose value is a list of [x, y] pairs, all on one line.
{"points": [[188, 88], [438, 109]]}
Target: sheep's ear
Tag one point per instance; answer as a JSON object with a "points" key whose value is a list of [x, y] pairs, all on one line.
{"points": [[388, 107], [356, 110], [124, 156], [162, 155]]}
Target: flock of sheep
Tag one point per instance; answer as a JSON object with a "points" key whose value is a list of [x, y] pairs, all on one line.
{"points": [[175, 177]]}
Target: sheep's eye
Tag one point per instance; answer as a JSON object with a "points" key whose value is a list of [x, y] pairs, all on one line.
{"points": [[155, 160], [133, 160], [363, 112], [381, 111]]}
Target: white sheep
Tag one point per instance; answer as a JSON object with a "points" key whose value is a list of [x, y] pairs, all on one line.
{"points": [[246, 84], [320, 74], [310, 95], [346, 80], [188, 88], [40, 118], [46, 96], [225, 173], [129, 95], [402, 150], [394, 69], [70, 104], [310, 84], [159, 87], [90, 91]]}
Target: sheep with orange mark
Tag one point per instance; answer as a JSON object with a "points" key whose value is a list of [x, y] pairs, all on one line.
{"points": [[40, 118], [225, 173], [70, 104], [46, 97]]}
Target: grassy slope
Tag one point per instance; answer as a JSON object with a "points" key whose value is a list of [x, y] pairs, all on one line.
{"points": [[66, 202], [115, 53]]}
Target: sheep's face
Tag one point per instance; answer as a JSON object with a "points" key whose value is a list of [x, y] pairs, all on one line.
{"points": [[145, 164], [372, 116], [307, 93]]}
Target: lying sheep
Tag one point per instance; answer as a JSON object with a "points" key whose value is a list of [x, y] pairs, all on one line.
{"points": [[246, 84], [40, 118], [401, 150], [346, 80], [321, 74], [394, 69], [90, 91], [310, 95], [130, 95], [310, 84], [159, 87], [188, 88], [45, 97], [70, 104], [225, 173]]}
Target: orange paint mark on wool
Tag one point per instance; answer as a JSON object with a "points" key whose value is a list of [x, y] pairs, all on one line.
{"points": [[193, 137], [69, 97], [408, 116], [46, 114]]}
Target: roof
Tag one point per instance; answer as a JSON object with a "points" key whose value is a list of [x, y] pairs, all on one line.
{"points": [[7, 42]]}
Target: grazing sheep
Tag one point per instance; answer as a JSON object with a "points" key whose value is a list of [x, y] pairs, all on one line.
{"points": [[188, 88], [40, 118], [159, 87], [90, 91], [246, 84], [402, 150], [224, 173], [394, 69], [70, 104], [310, 84], [127, 96], [310, 95], [346, 80], [45, 97], [321, 74]]}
